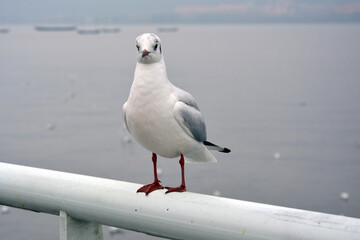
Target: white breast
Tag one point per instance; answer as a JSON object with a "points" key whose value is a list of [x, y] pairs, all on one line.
{"points": [[150, 113]]}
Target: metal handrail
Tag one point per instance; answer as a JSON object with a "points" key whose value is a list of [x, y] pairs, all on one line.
{"points": [[176, 215]]}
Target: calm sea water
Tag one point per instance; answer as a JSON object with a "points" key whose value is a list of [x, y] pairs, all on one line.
{"points": [[284, 98]]}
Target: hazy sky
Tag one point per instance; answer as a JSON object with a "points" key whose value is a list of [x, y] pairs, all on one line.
{"points": [[185, 11]]}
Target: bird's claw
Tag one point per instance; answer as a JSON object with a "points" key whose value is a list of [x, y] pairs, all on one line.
{"points": [[150, 187], [175, 189]]}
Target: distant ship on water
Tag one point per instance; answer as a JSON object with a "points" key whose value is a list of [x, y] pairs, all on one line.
{"points": [[46, 28], [168, 29], [88, 31], [83, 30], [110, 30], [4, 30], [97, 30]]}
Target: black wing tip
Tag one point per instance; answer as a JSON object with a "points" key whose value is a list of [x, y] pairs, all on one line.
{"points": [[226, 150], [208, 143]]}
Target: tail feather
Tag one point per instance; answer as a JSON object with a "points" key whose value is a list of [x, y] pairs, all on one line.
{"points": [[212, 146], [202, 154]]}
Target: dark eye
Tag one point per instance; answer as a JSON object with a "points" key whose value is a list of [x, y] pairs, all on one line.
{"points": [[138, 47], [155, 47]]}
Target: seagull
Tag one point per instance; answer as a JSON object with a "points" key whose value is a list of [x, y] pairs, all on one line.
{"points": [[164, 119]]}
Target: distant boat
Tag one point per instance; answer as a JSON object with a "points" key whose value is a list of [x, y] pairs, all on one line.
{"points": [[168, 29], [63, 28], [88, 31], [110, 30], [4, 30]]}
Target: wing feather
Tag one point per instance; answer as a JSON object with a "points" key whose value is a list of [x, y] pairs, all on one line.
{"points": [[188, 115], [124, 116]]}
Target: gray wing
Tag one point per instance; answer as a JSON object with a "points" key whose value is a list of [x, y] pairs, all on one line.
{"points": [[188, 115]]}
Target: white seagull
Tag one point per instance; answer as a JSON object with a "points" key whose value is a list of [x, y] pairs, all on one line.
{"points": [[163, 118]]}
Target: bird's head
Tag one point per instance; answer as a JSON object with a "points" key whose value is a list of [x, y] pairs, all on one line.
{"points": [[148, 47]]}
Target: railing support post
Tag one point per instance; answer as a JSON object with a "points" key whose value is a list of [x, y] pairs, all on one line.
{"points": [[73, 229]]}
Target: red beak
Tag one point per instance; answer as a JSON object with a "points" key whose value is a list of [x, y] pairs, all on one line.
{"points": [[145, 53]]}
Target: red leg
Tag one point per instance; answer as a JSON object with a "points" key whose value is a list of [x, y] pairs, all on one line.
{"points": [[182, 187], [156, 184]]}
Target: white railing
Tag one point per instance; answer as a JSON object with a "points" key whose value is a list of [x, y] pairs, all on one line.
{"points": [[85, 203]]}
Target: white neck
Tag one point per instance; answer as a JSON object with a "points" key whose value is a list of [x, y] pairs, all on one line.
{"points": [[150, 78], [151, 71]]}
